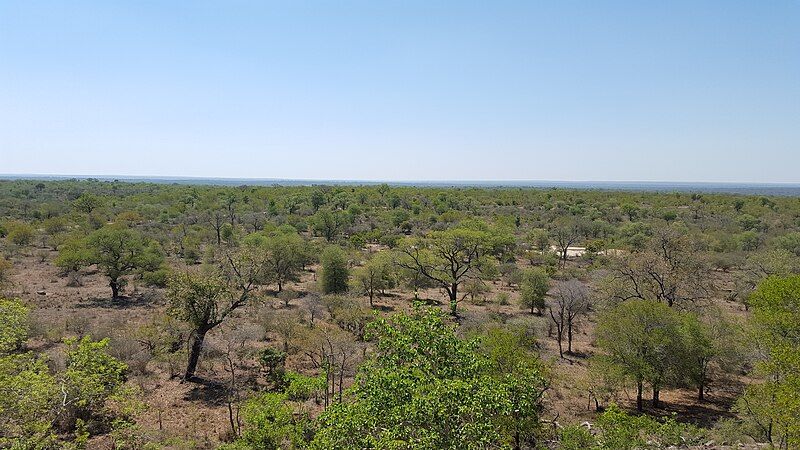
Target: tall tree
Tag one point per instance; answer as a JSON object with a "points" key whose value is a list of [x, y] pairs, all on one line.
{"points": [[640, 338], [667, 270], [448, 258], [204, 301], [335, 271], [570, 302]]}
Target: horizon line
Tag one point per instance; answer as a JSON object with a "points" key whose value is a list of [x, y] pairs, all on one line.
{"points": [[516, 181]]}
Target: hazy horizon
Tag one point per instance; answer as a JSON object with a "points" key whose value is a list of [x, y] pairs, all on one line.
{"points": [[681, 92]]}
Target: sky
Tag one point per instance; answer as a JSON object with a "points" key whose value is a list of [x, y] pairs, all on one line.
{"points": [[403, 90]]}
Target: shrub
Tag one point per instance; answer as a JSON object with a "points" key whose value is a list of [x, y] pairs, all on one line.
{"points": [[156, 278], [13, 326]]}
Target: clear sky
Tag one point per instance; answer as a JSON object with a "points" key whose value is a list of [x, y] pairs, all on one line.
{"points": [[403, 90]]}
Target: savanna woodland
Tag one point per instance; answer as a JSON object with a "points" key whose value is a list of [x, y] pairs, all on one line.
{"points": [[157, 316]]}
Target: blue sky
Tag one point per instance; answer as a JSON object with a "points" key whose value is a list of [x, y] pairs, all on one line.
{"points": [[403, 90]]}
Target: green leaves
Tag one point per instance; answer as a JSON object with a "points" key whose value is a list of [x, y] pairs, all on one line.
{"points": [[773, 402], [426, 388], [92, 375], [196, 299], [116, 250], [13, 325]]}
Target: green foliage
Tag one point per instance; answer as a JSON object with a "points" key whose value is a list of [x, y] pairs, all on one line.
{"points": [[773, 402], [28, 396], [449, 258], [302, 387], [375, 276], [789, 242], [197, 299], [285, 252], [272, 360], [271, 424], [20, 233], [92, 375], [87, 203], [575, 437], [13, 325], [32, 399], [618, 430], [335, 271], [156, 278], [641, 338], [117, 251], [533, 289], [426, 388]]}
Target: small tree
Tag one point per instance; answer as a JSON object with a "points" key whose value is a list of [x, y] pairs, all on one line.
{"points": [[335, 273], [20, 233], [570, 302], [117, 252], [374, 277], [328, 223], [201, 301], [641, 338], [565, 233], [533, 289], [284, 253]]}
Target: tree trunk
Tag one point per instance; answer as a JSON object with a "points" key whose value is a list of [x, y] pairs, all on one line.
{"points": [[114, 289], [656, 401], [371, 294], [702, 385], [569, 337], [454, 299], [560, 345], [196, 347], [639, 396]]}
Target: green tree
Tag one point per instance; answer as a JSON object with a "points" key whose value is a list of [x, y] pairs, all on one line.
{"points": [[28, 403], [335, 271], [448, 258], [708, 343], [640, 338], [117, 252], [426, 388], [328, 223], [87, 203], [617, 430], [533, 289], [92, 376], [205, 300], [284, 251], [374, 277], [773, 401]]}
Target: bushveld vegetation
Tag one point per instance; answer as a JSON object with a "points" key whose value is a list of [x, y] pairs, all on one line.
{"points": [[139, 315]]}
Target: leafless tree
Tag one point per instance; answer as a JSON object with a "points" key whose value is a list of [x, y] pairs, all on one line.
{"points": [[570, 302]]}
